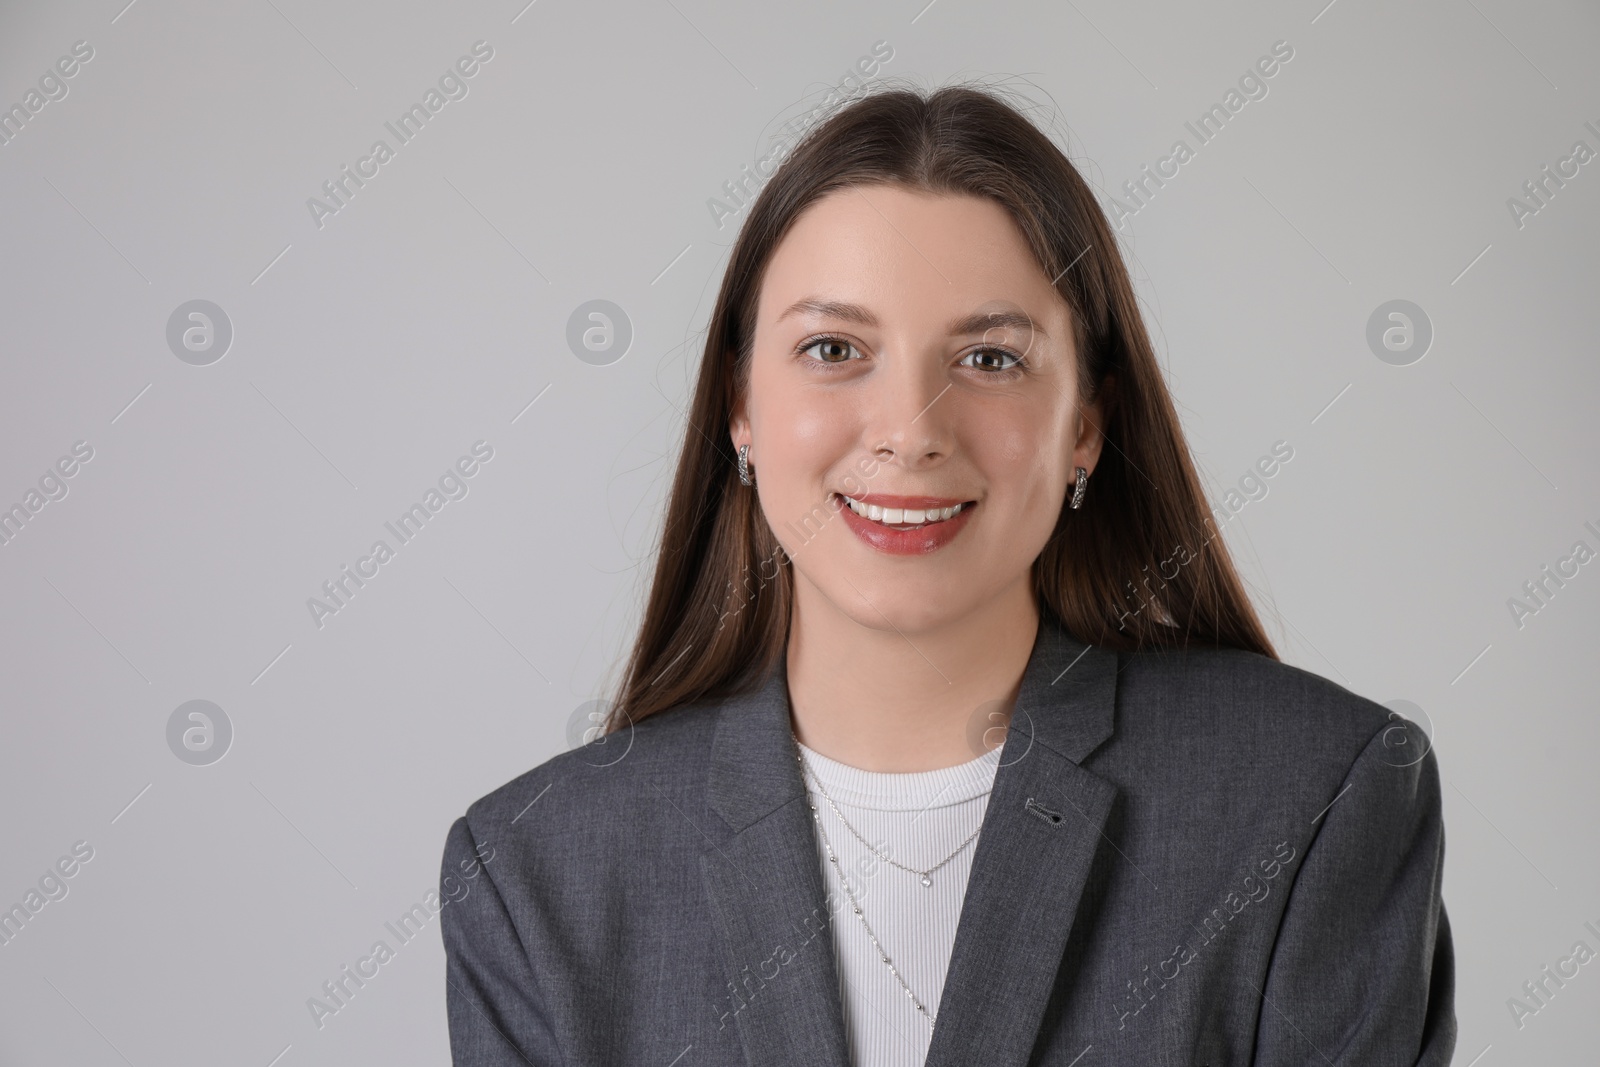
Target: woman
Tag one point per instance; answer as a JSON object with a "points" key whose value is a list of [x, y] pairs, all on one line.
{"points": [[950, 735]]}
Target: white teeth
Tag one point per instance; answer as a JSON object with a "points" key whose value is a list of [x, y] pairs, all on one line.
{"points": [[903, 516]]}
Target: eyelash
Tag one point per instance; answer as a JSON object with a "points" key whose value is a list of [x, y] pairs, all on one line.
{"points": [[1018, 365]]}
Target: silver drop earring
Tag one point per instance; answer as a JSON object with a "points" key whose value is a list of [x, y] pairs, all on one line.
{"points": [[744, 466], [1077, 492]]}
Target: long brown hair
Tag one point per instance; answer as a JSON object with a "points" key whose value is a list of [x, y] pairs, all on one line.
{"points": [[1139, 565]]}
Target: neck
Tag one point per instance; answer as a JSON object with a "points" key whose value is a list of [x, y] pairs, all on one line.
{"points": [[899, 701]]}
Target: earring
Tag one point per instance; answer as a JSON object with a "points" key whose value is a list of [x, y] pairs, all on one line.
{"points": [[1077, 492], [744, 466]]}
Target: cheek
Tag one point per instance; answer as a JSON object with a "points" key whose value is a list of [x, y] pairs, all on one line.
{"points": [[1025, 456], [804, 438], [805, 424], [802, 433]]}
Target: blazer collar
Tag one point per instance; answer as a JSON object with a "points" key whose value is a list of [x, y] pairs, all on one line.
{"points": [[1039, 837]]}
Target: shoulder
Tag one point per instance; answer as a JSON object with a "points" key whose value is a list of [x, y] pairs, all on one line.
{"points": [[573, 853], [1250, 715], [612, 787], [663, 750], [1220, 754]]}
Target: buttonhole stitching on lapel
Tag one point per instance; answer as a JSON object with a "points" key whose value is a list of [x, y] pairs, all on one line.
{"points": [[1052, 817]]}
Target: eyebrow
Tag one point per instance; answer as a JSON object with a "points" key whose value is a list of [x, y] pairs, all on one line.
{"points": [[977, 322]]}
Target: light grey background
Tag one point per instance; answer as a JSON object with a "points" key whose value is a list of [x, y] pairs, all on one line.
{"points": [[369, 354]]}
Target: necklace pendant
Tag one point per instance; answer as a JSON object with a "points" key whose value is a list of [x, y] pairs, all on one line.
{"points": [[927, 881]]}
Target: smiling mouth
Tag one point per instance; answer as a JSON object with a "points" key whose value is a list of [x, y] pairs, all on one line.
{"points": [[905, 518]]}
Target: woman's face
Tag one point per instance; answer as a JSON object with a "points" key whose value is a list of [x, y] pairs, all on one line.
{"points": [[910, 354]]}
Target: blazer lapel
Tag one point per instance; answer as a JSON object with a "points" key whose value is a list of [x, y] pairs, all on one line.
{"points": [[1040, 834], [767, 890], [1039, 837]]}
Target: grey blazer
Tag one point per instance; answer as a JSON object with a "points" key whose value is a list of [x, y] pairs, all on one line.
{"points": [[1203, 858]]}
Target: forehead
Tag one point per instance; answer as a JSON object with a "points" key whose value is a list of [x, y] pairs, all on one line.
{"points": [[901, 251]]}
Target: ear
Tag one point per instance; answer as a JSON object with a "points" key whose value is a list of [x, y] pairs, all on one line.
{"points": [[739, 423], [1090, 436]]}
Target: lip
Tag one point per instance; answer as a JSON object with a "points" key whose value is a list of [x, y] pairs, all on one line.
{"points": [[922, 541], [889, 500]]}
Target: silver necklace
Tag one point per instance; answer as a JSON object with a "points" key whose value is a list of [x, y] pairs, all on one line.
{"points": [[926, 876], [855, 905]]}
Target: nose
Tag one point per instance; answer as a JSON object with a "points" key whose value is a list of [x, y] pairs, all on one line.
{"points": [[912, 423]]}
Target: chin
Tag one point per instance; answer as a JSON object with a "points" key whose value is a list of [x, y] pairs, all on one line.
{"points": [[906, 622], [893, 604]]}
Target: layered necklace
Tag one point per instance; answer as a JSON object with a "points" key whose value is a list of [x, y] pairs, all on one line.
{"points": [[926, 876]]}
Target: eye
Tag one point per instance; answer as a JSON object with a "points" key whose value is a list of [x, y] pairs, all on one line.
{"points": [[831, 349], [993, 360]]}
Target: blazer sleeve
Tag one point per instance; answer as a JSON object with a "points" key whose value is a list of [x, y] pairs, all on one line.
{"points": [[1363, 970], [496, 1018]]}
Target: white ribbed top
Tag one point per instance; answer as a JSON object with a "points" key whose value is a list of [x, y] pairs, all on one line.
{"points": [[916, 819]]}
